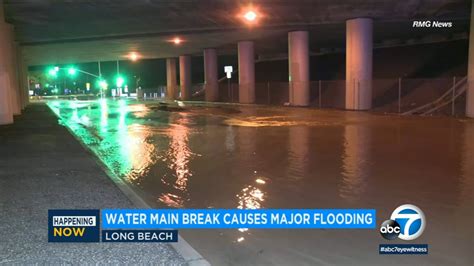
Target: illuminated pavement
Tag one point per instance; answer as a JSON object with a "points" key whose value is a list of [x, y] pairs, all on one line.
{"points": [[43, 167], [227, 156]]}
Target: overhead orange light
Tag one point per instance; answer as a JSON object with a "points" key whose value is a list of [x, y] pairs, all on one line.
{"points": [[177, 40], [250, 15], [133, 56]]}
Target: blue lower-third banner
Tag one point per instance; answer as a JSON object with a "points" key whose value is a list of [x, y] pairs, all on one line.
{"points": [[237, 218]]}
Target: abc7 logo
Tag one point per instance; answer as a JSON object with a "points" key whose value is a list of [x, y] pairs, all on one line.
{"points": [[407, 223]]}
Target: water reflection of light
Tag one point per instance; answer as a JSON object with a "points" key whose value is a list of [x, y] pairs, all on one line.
{"points": [[123, 110], [298, 157], [85, 120], [125, 148], [76, 104], [139, 152], [180, 152], [134, 145], [354, 161], [230, 139], [172, 200], [139, 110], [268, 121], [104, 115], [75, 116], [250, 198], [133, 153], [178, 157]]}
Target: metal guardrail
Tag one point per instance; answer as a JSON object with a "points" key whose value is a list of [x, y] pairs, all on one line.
{"points": [[405, 96], [446, 98]]}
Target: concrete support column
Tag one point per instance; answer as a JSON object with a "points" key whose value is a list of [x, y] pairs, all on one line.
{"points": [[359, 46], [19, 75], [27, 86], [6, 114], [16, 76], [246, 72], [9, 41], [24, 82], [171, 82], [210, 75], [298, 59], [470, 71], [21, 78], [185, 77]]}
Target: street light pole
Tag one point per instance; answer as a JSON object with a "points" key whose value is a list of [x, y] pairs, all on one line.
{"points": [[119, 90], [100, 73], [100, 78], [85, 72]]}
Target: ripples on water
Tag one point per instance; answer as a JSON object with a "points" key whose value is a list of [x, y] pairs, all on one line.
{"points": [[267, 157], [225, 157]]}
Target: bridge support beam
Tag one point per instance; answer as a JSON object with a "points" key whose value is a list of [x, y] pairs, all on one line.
{"points": [[171, 80], [210, 75], [470, 71], [298, 65], [185, 81], [246, 72], [359, 46]]}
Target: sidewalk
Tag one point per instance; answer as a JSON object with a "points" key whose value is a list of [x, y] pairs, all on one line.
{"points": [[43, 167]]}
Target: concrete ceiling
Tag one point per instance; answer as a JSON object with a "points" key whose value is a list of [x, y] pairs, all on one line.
{"points": [[73, 31]]}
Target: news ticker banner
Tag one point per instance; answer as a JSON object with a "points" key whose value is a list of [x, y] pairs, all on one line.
{"points": [[137, 225], [239, 218]]}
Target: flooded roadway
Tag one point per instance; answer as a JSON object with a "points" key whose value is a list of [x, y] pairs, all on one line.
{"points": [[228, 156]]}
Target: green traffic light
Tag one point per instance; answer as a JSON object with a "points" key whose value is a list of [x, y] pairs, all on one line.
{"points": [[103, 84], [52, 72], [71, 71], [120, 81]]}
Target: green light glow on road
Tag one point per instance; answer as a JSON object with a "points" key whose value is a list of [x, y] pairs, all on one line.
{"points": [[130, 145]]}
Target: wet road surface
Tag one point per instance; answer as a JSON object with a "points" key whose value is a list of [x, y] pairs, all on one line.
{"points": [[229, 156]]}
